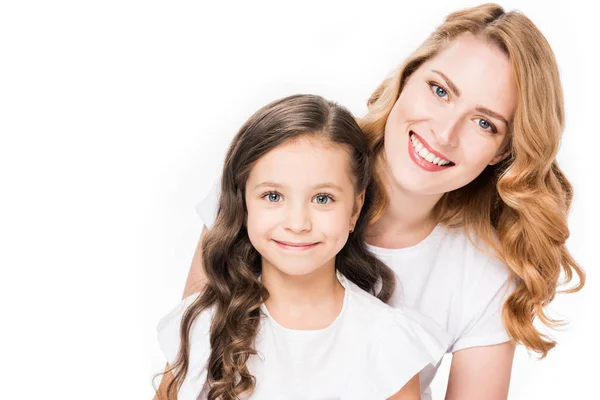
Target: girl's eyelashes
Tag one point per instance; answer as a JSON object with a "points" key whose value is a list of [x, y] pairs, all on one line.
{"points": [[323, 198], [486, 125], [439, 91], [272, 197]]}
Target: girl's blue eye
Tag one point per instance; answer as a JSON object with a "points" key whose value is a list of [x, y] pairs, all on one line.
{"points": [[322, 199], [486, 125], [439, 91], [273, 197]]}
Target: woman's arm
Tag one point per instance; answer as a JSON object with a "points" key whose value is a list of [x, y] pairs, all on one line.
{"points": [[481, 372], [196, 277], [161, 393], [410, 391]]}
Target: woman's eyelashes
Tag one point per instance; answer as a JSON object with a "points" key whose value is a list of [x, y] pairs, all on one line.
{"points": [[439, 91], [321, 198], [486, 125]]}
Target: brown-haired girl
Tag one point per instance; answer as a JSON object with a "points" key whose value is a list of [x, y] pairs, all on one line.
{"points": [[470, 205], [288, 310]]}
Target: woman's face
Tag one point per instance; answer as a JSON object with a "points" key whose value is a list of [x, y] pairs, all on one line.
{"points": [[452, 118]]}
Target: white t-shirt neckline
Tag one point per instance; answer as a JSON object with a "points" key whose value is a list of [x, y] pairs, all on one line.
{"points": [[310, 332], [437, 231]]}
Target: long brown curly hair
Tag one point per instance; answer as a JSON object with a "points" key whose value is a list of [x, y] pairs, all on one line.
{"points": [[519, 206], [233, 266]]}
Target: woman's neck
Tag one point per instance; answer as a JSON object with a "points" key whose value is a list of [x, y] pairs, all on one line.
{"points": [[407, 218], [307, 302]]}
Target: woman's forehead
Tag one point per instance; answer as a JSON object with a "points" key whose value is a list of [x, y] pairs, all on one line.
{"points": [[479, 69]]}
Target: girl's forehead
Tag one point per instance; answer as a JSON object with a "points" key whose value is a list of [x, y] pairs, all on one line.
{"points": [[303, 162]]}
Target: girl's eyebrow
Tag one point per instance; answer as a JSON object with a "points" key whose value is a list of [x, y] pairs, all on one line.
{"points": [[329, 185], [269, 184], [325, 185]]}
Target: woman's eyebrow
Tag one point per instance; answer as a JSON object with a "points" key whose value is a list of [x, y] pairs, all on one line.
{"points": [[449, 82], [491, 113]]}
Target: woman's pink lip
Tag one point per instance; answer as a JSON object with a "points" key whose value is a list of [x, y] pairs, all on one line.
{"points": [[424, 164], [427, 146]]}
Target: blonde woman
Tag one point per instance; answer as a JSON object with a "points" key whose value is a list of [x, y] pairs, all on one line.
{"points": [[470, 204]]}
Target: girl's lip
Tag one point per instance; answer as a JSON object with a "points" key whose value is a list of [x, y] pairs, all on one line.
{"points": [[428, 147], [295, 246]]}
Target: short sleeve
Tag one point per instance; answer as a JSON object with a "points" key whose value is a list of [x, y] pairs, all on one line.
{"points": [[208, 207], [169, 341], [404, 342], [481, 318]]}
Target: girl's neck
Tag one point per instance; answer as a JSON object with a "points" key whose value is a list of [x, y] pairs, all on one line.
{"points": [[407, 218], [307, 302]]}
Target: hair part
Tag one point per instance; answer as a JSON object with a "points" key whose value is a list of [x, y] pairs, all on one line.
{"points": [[233, 265], [519, 206]]}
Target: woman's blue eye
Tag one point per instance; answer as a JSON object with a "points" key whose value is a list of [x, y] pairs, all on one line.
{"points": [[486, 125], [322, 199], [439, 91], [273, 197]]}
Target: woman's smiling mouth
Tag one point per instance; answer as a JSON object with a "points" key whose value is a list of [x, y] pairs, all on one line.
{"points": [[424, 156]]}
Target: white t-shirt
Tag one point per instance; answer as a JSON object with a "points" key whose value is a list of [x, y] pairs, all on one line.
{"points": [[446, 277], [369, 351]]}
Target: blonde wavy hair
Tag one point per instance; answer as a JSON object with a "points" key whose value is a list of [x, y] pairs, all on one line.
{"points": [[519, 206]]}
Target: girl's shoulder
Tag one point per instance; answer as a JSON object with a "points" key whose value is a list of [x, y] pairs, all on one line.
{"points": [[169, 339], [169, 326], [379, 316], [399, 343]]}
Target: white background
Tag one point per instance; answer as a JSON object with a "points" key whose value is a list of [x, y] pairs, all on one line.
{"points": [[114, 120]]}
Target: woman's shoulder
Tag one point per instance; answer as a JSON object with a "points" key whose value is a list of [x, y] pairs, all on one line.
{"points": [[482, 283], [465, 250], [208, 207]]}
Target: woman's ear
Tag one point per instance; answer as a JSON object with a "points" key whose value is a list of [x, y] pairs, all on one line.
{"points": [[499, 157], [358, 203], [503, 152]]}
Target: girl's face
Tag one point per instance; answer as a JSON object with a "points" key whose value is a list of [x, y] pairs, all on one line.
{"points": [[301, 204], [452, 118]]}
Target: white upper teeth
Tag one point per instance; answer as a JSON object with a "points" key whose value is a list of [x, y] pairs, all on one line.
{"points": [[425, 154]]}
